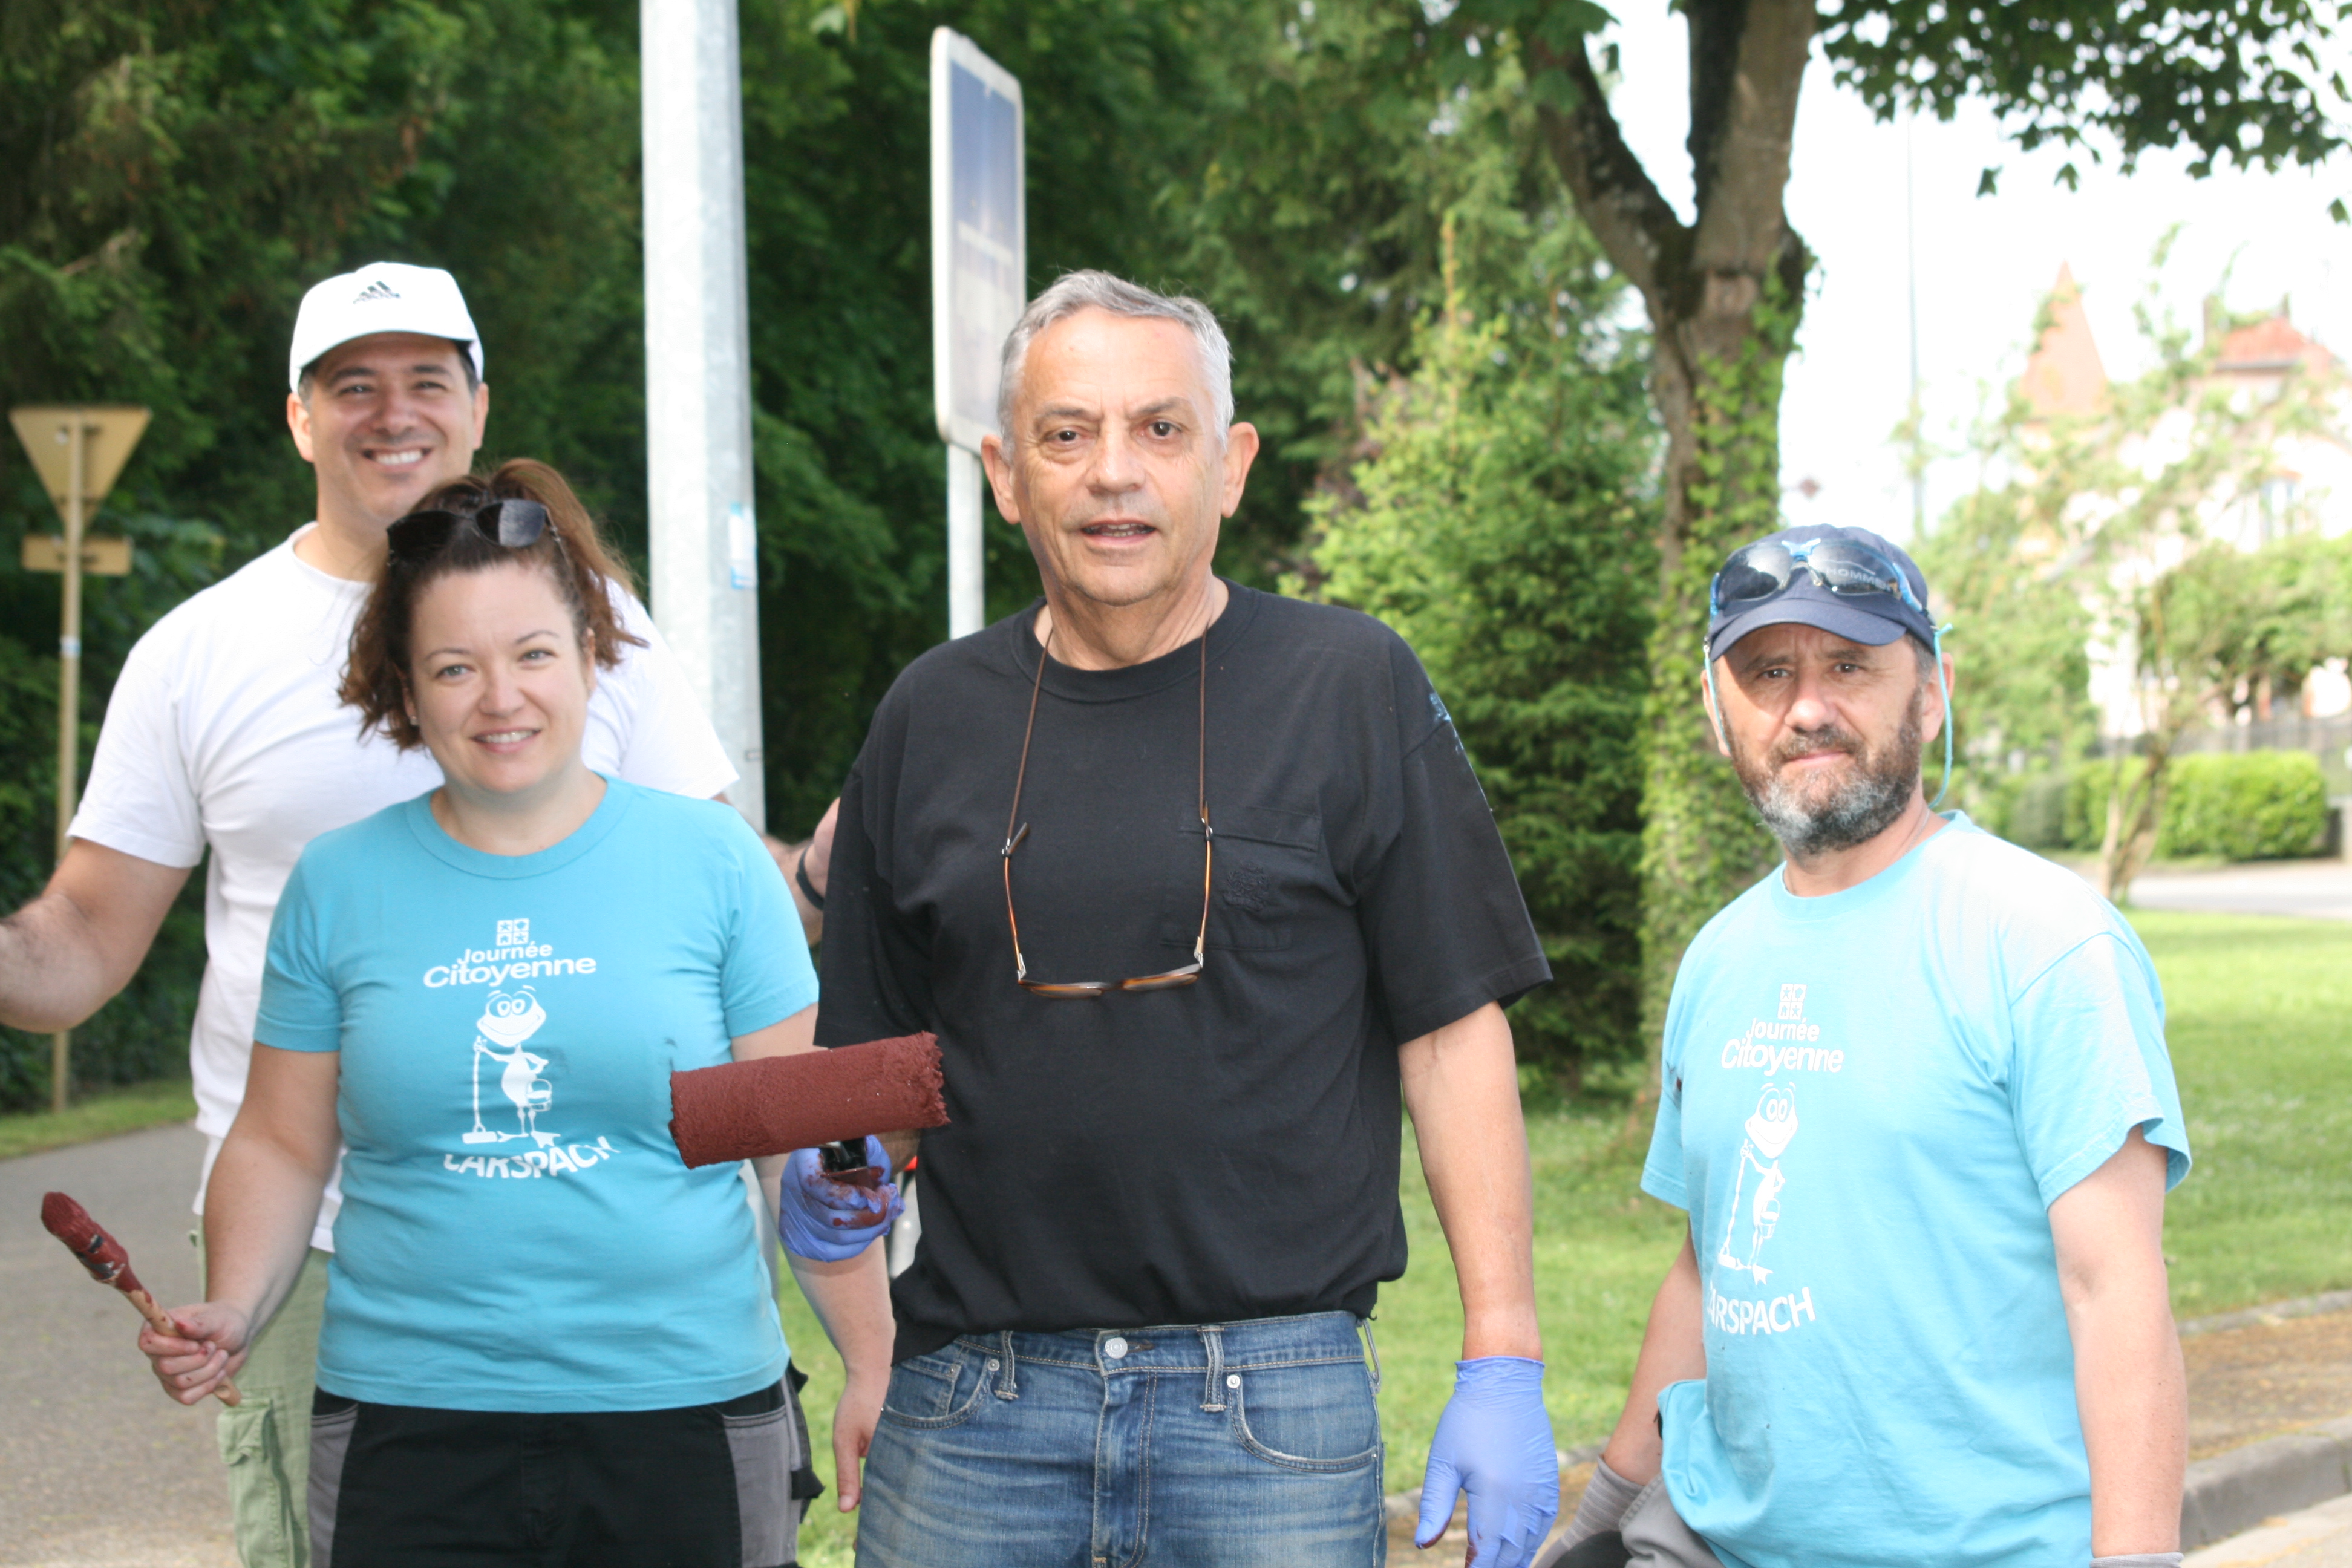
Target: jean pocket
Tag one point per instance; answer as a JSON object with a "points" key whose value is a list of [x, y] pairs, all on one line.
{"points": [[1320, 1418], [938, 1390]]}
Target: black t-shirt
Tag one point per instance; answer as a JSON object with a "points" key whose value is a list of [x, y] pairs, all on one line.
{"points": [[1220, 1151]]}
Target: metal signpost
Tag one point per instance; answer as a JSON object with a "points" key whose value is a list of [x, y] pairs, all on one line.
{"points": [[705, 538], [979, 270], [77, 452]]}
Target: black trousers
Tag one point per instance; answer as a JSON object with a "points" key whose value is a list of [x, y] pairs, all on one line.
{"points": [[704, 1486]]}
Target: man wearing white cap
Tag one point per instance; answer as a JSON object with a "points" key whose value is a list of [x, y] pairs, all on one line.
{"points": [[225, 733]]}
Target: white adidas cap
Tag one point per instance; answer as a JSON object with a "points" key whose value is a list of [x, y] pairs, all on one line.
{"points": [[381, 297]]}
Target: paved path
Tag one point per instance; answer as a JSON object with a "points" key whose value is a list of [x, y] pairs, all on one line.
{"points": [[2318, 1537], [2265, 1378], [2319, 888], [96, 1466]]}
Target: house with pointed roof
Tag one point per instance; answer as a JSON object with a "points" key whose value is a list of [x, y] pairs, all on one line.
{"points": [[2309, 484]]}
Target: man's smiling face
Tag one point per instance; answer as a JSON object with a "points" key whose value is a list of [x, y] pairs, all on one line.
{"points": [[388, 420]]}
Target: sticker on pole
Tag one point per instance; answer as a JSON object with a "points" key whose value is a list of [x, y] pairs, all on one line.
{"points": [[980, 241], [742, 547]]}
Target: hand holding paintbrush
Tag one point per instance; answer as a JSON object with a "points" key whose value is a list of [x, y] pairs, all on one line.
{"points": [[108, 1264]]}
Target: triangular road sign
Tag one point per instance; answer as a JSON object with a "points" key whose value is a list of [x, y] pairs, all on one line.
{"points": [[109, 434]]}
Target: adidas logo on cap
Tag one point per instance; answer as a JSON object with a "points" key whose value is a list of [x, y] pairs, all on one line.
{"points": [[382, 296]]}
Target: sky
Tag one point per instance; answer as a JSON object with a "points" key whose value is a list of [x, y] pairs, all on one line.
{"points": [[1983, 264]]}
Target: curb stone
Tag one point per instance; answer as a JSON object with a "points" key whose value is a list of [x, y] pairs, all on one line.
{"points": [[2237, 1490], [2224, 1496]]}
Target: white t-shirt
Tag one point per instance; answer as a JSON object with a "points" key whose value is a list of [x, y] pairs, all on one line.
{"points": [[224, 730]]}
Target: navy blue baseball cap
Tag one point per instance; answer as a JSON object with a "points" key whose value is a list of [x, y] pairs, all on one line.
{"points": [[1874, 617]]}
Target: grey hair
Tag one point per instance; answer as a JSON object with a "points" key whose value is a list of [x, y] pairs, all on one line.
{"points": [[1092, 291]]}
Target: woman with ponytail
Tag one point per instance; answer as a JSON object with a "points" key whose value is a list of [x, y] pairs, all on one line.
{"points": [[545, 1340]]}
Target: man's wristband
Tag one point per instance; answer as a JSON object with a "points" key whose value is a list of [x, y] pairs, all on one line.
{"points": [[808, 889]]}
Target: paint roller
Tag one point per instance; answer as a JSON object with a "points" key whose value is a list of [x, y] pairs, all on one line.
{"points": [[827, 1101]]}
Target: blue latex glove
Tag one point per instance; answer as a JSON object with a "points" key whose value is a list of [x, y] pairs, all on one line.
{"points": [[1494, 1443], [830, 1221]]}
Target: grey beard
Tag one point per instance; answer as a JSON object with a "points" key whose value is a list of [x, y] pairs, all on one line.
{"points": [[1863, 808]]}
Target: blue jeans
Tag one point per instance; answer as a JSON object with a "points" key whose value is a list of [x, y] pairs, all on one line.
{"points": [[1228, 1445]]}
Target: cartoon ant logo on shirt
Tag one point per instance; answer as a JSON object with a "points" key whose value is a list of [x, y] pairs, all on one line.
{"points": [[1768, 1132], [509, 1019]]}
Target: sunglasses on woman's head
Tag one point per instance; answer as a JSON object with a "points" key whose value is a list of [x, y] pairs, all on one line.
{"points": [[419, 536]]}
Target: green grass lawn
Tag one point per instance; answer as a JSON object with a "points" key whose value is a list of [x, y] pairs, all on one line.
{"points": [[2260, 1019], [101, 1113], [2260, 1022]]}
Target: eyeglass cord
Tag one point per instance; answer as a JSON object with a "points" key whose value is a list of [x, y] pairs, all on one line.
{"points": [[1013, 834]]}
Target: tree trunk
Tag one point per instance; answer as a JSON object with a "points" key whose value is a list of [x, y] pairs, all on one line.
{"points": [[2132, 826], [1724, 295]]}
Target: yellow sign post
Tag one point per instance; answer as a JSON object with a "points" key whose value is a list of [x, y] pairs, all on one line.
{"points": [[77, 452]]}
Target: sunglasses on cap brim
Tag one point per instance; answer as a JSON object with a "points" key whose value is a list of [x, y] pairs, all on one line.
{"points": [[420, 535], [1755, 572]]}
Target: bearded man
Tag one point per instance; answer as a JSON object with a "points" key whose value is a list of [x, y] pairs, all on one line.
{"points": [[1916, 1100]]}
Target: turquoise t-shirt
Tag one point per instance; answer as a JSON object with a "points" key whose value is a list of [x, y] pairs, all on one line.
{"points": [[518, 1231], [1871, 1100]]}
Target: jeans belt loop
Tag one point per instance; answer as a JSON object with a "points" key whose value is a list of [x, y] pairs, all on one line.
{"points": [[1212, 1394], [1372, 1345], [1008, 1385]]}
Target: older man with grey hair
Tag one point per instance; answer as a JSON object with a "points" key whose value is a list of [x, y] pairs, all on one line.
{"points": [[1198, 890]]}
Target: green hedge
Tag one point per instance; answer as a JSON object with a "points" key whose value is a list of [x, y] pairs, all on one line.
{"points": [[2240, 806], [2037, 811], [2245, 805]]}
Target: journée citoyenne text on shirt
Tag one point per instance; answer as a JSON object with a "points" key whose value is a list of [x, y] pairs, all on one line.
{"points": [[1872, 1099], [226, 734], [518, 1230]]}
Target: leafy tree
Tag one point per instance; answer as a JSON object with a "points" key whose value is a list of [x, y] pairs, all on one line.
{"points": [[2208, 630], [2234, 80], [1498, 518], [175, 169], [2110, 529], [184, 168]]}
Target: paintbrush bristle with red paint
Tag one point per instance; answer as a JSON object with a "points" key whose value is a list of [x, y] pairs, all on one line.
{"points": [[108, 1264]]}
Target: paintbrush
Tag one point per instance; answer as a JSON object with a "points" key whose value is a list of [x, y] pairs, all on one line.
{"points": [[108, 1264]]}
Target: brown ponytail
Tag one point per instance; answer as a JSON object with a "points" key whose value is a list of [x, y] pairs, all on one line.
{"points": [[571, 551]]}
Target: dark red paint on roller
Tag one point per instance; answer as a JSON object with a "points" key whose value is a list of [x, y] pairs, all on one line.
{"points": [[742, 1111], [99, 1253]]}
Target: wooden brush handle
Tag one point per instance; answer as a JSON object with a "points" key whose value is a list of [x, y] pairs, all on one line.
{"points": [[157, 1320]]}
